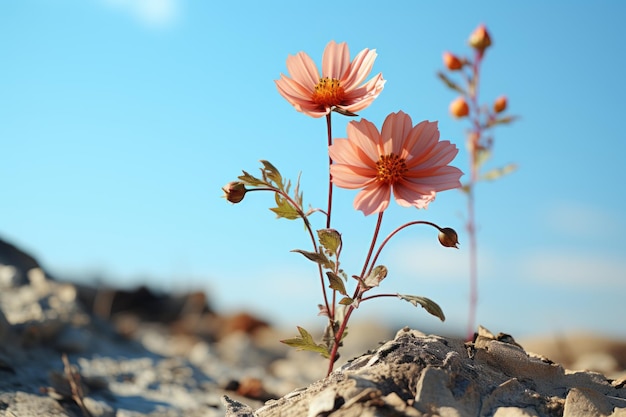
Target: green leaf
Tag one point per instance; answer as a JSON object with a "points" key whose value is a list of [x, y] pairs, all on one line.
{"points": [[336, 283], [251, 180], [428, 304], [284, 209], [316, 257], [272, 173], [482, 156], [305, 342], [496, 173], [330, 239], [346, 301], [376, 276], [296, 192], [449, 83]]}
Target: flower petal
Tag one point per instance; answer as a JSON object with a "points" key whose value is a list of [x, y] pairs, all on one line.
{"points": [[419, 141], [302, 69], [396, 128], [366, 93], [374, 198], [344, 151], [407, 194], [359, 69], [440, 179], [350, 177], [336, 60], [442, 153], [289, 88], [364, 135]]}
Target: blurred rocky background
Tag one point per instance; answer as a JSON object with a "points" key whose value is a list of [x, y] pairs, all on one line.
{"points": [[87, 350]]}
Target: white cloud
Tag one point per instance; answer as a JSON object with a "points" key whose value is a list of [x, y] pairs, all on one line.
{"points": [[575, 268], [151, 13]]}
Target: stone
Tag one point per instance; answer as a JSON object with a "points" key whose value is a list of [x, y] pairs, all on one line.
{"points": [[432, 375]]}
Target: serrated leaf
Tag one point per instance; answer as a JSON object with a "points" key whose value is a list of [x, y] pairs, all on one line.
{"points": [[316, 257], [251, 180], [298, 196], [284, 209], [346, 301], [376, 276], [449, 83], [305, 342], [428, 304], [336, 283], [330, 239], [496, 173], [272, 173]]}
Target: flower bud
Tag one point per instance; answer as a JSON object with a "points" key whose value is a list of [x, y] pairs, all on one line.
{"points": [[234, 191], [448, 238], [459, 108], [500, 104], [452, 62], [480, 39]]}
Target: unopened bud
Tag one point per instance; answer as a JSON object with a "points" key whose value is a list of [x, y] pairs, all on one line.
{"points": [[448, 238], [234, 191], [500, 104], [452, 62], [459, 107], [480, 39]]}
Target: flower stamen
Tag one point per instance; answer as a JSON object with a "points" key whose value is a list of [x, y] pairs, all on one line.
{"points": [[328, 92], [391, 168]]}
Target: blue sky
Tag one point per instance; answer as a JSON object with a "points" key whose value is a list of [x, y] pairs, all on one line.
{"points": [[120, 120]]}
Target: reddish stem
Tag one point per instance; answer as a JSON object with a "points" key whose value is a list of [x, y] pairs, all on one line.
{"points": [[474, 137], [358, 292], [330, 177]]}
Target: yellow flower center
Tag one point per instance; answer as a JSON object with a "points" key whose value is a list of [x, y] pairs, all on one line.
{"points": [[328, 92], [391, 168]]}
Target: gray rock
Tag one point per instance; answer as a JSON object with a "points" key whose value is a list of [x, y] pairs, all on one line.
{"points": [[419, 375]]}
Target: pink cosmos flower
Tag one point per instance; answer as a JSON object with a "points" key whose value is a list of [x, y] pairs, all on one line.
{"points": [[409, 160], [339, 86]]}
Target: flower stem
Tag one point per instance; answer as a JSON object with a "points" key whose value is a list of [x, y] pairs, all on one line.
{"points": [[358, 292], [338, 335], [329, 131], [475, 146]]}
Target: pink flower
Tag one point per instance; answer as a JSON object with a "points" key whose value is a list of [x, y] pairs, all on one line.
{"points": [[341, 84], [409, 160]]}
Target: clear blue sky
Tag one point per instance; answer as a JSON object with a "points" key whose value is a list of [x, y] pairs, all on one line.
{"points": [[120, 120]]}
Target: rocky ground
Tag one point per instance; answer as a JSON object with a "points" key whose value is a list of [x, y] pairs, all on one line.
{"points": [[71, 350]]}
